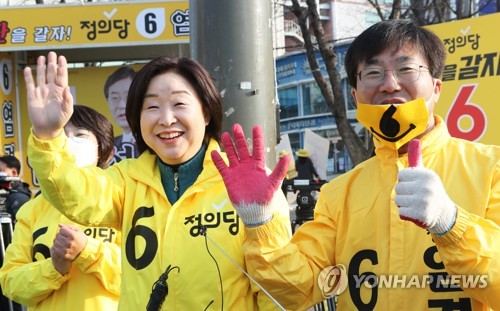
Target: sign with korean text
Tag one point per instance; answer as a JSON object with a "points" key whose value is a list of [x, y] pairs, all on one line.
{"points": [[292, 68], [9, 105], [469, 99], [94, 25]]}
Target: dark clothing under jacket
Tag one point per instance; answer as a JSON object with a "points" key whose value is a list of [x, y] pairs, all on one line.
{"points": [[19, 194]]}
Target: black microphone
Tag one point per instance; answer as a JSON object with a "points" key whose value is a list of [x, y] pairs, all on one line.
{"points": [[160, 290], [202, 229]]}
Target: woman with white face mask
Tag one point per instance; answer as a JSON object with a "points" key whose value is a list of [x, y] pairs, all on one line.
{"points": [[54, 263], [83, 143]]}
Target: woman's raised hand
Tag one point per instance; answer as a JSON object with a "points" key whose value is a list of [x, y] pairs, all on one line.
{"points": [[50, 103], [249, 187]]}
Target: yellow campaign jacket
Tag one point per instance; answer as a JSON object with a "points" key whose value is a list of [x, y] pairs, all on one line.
{"points": [[156, 234], [29, 278], [357, 224]]}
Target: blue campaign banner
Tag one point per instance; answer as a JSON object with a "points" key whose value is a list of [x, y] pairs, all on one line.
{"points": [[487, 7], [295, 67], [308, 122], [304, 122]]}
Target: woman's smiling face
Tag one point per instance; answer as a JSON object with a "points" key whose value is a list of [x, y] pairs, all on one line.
{"points": [[172, 119]]}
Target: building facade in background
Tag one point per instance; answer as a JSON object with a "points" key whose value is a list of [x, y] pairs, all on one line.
{"points": [[303, 107], [301, 104]]}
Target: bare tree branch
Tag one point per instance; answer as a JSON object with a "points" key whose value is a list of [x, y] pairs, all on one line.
{"points": [[376, 6], [332, 92], [423, 12], [396, 10]]}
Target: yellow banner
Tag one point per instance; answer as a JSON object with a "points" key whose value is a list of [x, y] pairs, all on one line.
{"points": [[471, 78], [10, 118], [94, 25]]}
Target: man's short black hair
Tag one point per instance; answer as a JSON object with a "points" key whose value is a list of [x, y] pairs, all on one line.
{"points": [[11, 162], [395, 34]]}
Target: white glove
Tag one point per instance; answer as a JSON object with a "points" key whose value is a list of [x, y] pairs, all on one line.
{"points": [[422, 200], [421, 197]]}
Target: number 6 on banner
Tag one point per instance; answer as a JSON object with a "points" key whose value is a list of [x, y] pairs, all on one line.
{"points": [[150, 23], [461, 108]]}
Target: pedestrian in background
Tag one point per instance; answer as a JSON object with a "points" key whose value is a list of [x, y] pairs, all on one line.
{"points": [[18, 192], [304, 166]]}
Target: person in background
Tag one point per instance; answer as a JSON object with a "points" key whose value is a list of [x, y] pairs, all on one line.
{"points": [[116, 91], [14, 193], [172, 208], [54, 263], [18, 191], [304, 166], [408, 229], [291, 172]]}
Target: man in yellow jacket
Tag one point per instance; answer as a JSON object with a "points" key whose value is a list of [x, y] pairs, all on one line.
{"points": [[406, 231]]}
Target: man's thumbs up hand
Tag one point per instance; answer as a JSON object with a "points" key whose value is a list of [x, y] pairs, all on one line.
{"points": [[421, 196]]}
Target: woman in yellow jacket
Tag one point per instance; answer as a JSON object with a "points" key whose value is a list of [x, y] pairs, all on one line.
{"points": [[54, 263], [182, 239]]}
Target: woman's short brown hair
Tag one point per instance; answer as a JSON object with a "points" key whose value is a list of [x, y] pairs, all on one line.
{"points": [[100, 126], [195, 74]]}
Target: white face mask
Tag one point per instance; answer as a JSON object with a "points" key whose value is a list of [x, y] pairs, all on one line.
{"points": [[85, 151]]}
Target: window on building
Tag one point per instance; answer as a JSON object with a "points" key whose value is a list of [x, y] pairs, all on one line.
{"points": [[340, 156], [312, 99], [289, 106], [294, 141]]}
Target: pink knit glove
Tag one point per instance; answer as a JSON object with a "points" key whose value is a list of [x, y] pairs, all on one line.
{"points": [[421, 196], [250, 189]]}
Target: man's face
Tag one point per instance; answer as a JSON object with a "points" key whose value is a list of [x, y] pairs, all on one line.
{"points": [[12, 172], [390, 90], [117, 101]]}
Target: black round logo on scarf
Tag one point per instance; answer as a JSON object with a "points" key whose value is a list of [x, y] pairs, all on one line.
{"points": [[390, 127]]}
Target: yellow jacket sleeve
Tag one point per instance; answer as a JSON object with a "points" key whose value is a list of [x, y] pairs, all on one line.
{"points": [[102, 259], [29, 277], [24, 280], [357, 226], [61, 184], [472, 247], [290, 265], [281, 218]]}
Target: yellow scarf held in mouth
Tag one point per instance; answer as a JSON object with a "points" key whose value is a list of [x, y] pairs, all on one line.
{"points": [[396, 124]]}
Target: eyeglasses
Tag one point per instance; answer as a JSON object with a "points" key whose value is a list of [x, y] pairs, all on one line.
{"points": [[405, 73]]}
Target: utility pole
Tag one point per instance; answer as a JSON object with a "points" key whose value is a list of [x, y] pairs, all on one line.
{"points": [[233, 40]]}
